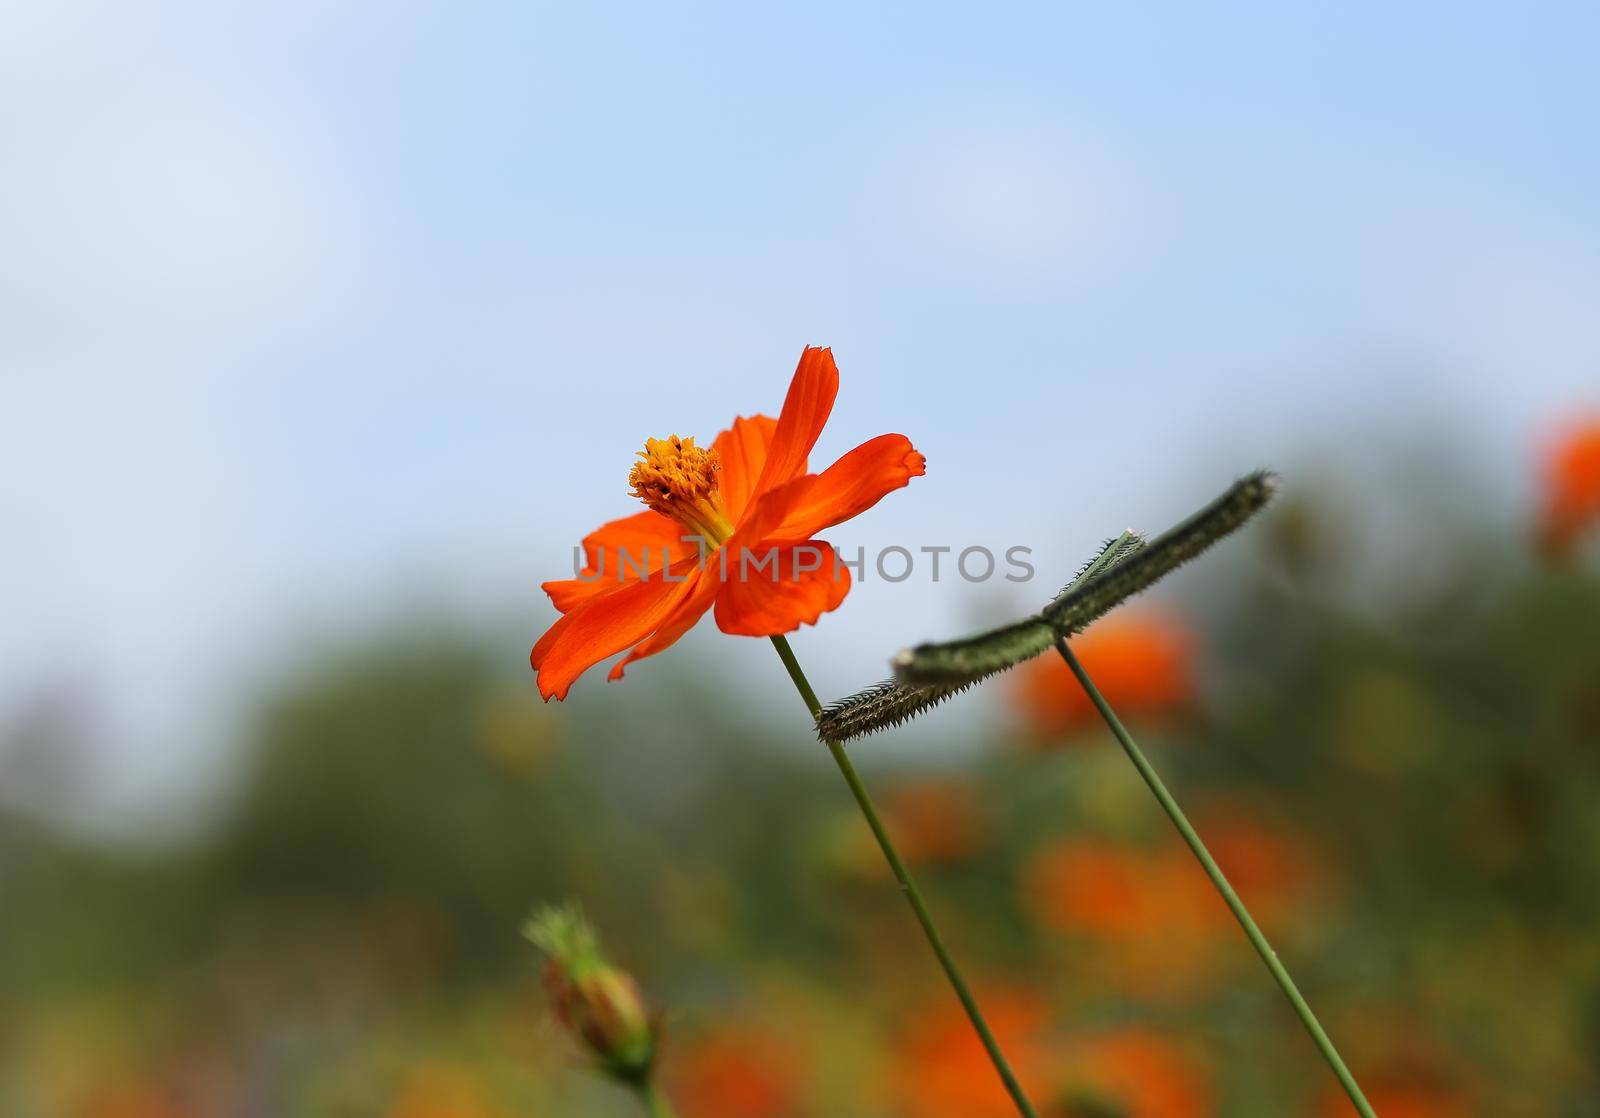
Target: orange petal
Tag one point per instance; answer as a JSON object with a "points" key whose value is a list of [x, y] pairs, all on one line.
{"points": [[1571, 486], [770, 589], [621, 552], [765, 513], [743, 450], [850, 486], [680, 622], [805, 412], [723, 566], [542, 646], [720, 566], [633, 534], [605, 625], [567, 594]]}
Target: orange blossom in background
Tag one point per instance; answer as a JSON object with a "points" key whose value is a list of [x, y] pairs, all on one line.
{"points": [[1141, 663], [1570, 484]]}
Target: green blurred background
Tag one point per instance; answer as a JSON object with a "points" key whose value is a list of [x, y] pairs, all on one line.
{"points": [[1402, 780]]}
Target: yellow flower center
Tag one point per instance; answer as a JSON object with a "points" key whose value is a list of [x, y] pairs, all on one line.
{"points": [[679, 479]]}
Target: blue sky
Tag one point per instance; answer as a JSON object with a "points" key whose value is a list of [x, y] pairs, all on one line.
{"points": [[306, 307]]}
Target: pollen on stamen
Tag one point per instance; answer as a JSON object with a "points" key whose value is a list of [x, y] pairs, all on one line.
{"points": [[675, 477]]}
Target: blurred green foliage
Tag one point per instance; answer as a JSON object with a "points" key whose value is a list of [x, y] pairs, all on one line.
{"points": [[344, 940]]}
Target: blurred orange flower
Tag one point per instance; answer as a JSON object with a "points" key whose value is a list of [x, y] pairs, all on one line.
{"points": [[1107, 890], [1140, 661], [935, 820], [749, 492], [1267, 863], [739, 1073], [442, 1091], [1135, 1073], [1570, 480], [135, 1099], [942, 1071], [1152, 918]]}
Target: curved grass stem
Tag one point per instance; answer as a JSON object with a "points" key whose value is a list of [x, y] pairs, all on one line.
{"points": [[909, 888], [1214, 872]]}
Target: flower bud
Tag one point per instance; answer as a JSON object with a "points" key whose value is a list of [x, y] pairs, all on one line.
{"points": [[600, 1005]]}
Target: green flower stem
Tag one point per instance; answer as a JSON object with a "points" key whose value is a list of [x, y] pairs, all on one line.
{"points": [[908, 887], [1214, 872], [655, 1103]]}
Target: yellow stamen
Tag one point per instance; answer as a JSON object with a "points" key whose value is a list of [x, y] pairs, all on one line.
{"points": [[679, 479]]}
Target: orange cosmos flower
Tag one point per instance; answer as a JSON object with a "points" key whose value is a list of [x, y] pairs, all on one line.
{"points": [[1115, 890], [1270, 863], [1140, 662], [1571, 482], [1108, 890], [741, 1073], [1138, 1073], [937, 821], [1140, 919], [942, 1071], [136, 1099], [731, 526], [441, 1090]]}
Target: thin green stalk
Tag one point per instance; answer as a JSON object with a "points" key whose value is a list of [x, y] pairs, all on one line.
{"points": [[655, 1103], [908, 887], [1214, 872]]}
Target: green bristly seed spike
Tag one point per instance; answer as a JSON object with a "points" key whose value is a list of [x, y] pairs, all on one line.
{"points": [[1111, 553], [892, 702], [1121, 570], [928, 674], [1075, 608]]}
